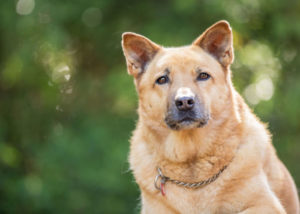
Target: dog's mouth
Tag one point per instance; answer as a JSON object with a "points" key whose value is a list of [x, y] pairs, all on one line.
{"points": [[187, 123], [187, 120]]}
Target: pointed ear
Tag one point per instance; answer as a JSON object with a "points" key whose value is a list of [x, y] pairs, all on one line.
{"points": [[217, 41], [138, 51]]}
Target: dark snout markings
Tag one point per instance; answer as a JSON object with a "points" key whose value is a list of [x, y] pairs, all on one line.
{"points": [[177, 119]]}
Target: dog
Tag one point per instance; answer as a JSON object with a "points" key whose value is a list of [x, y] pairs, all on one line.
{"points": [[197, 146]]}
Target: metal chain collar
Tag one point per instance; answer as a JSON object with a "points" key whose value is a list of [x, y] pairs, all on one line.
{"points": [[164, 179]]}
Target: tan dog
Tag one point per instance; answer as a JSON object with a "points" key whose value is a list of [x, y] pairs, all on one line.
{"points": [[214, 155]]}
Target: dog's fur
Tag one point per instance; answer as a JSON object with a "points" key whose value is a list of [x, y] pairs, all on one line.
{"points": [[223, 131]]}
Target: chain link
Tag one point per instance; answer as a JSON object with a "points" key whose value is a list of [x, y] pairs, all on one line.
{"points": [[195, 185]]}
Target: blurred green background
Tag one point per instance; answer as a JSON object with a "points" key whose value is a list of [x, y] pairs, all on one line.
{"points": [[67, 105]]}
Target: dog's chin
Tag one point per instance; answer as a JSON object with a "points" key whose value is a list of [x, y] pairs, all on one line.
{"points": [[187, 123]]}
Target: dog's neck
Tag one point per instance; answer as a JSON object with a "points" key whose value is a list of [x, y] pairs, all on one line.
{"points": [[195, 154]]}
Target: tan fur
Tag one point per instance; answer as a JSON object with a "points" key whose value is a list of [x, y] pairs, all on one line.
{"points": [[255, 180]]}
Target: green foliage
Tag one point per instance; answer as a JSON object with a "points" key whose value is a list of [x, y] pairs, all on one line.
{"points": [[67, 105]]}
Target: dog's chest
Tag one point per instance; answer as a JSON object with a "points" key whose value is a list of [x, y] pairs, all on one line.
{"points": [[190, 200], [178, 199]]}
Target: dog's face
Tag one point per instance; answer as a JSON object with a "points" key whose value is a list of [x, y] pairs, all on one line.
{"points": [[181, 87]]}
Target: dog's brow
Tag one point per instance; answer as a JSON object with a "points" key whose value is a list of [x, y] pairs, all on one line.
{"points": [[198, 70], [167, 71]]}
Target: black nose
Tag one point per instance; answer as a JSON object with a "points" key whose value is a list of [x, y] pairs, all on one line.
{"points": [[184, 103]]}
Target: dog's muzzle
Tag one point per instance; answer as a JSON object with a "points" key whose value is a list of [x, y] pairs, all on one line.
{"points": [[186, 112]]}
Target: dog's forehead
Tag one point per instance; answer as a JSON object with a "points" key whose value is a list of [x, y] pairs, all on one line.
{"points": [[182, 56]]}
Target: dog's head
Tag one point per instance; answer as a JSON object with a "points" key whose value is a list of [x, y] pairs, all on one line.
{"points": [[182, 87]]}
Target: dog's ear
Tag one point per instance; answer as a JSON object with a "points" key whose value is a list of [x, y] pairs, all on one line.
{"points": [[138, 51], [217, 41]]}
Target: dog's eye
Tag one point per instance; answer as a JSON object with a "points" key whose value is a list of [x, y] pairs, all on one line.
{"points": [[203, 76], [162, 80]]}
